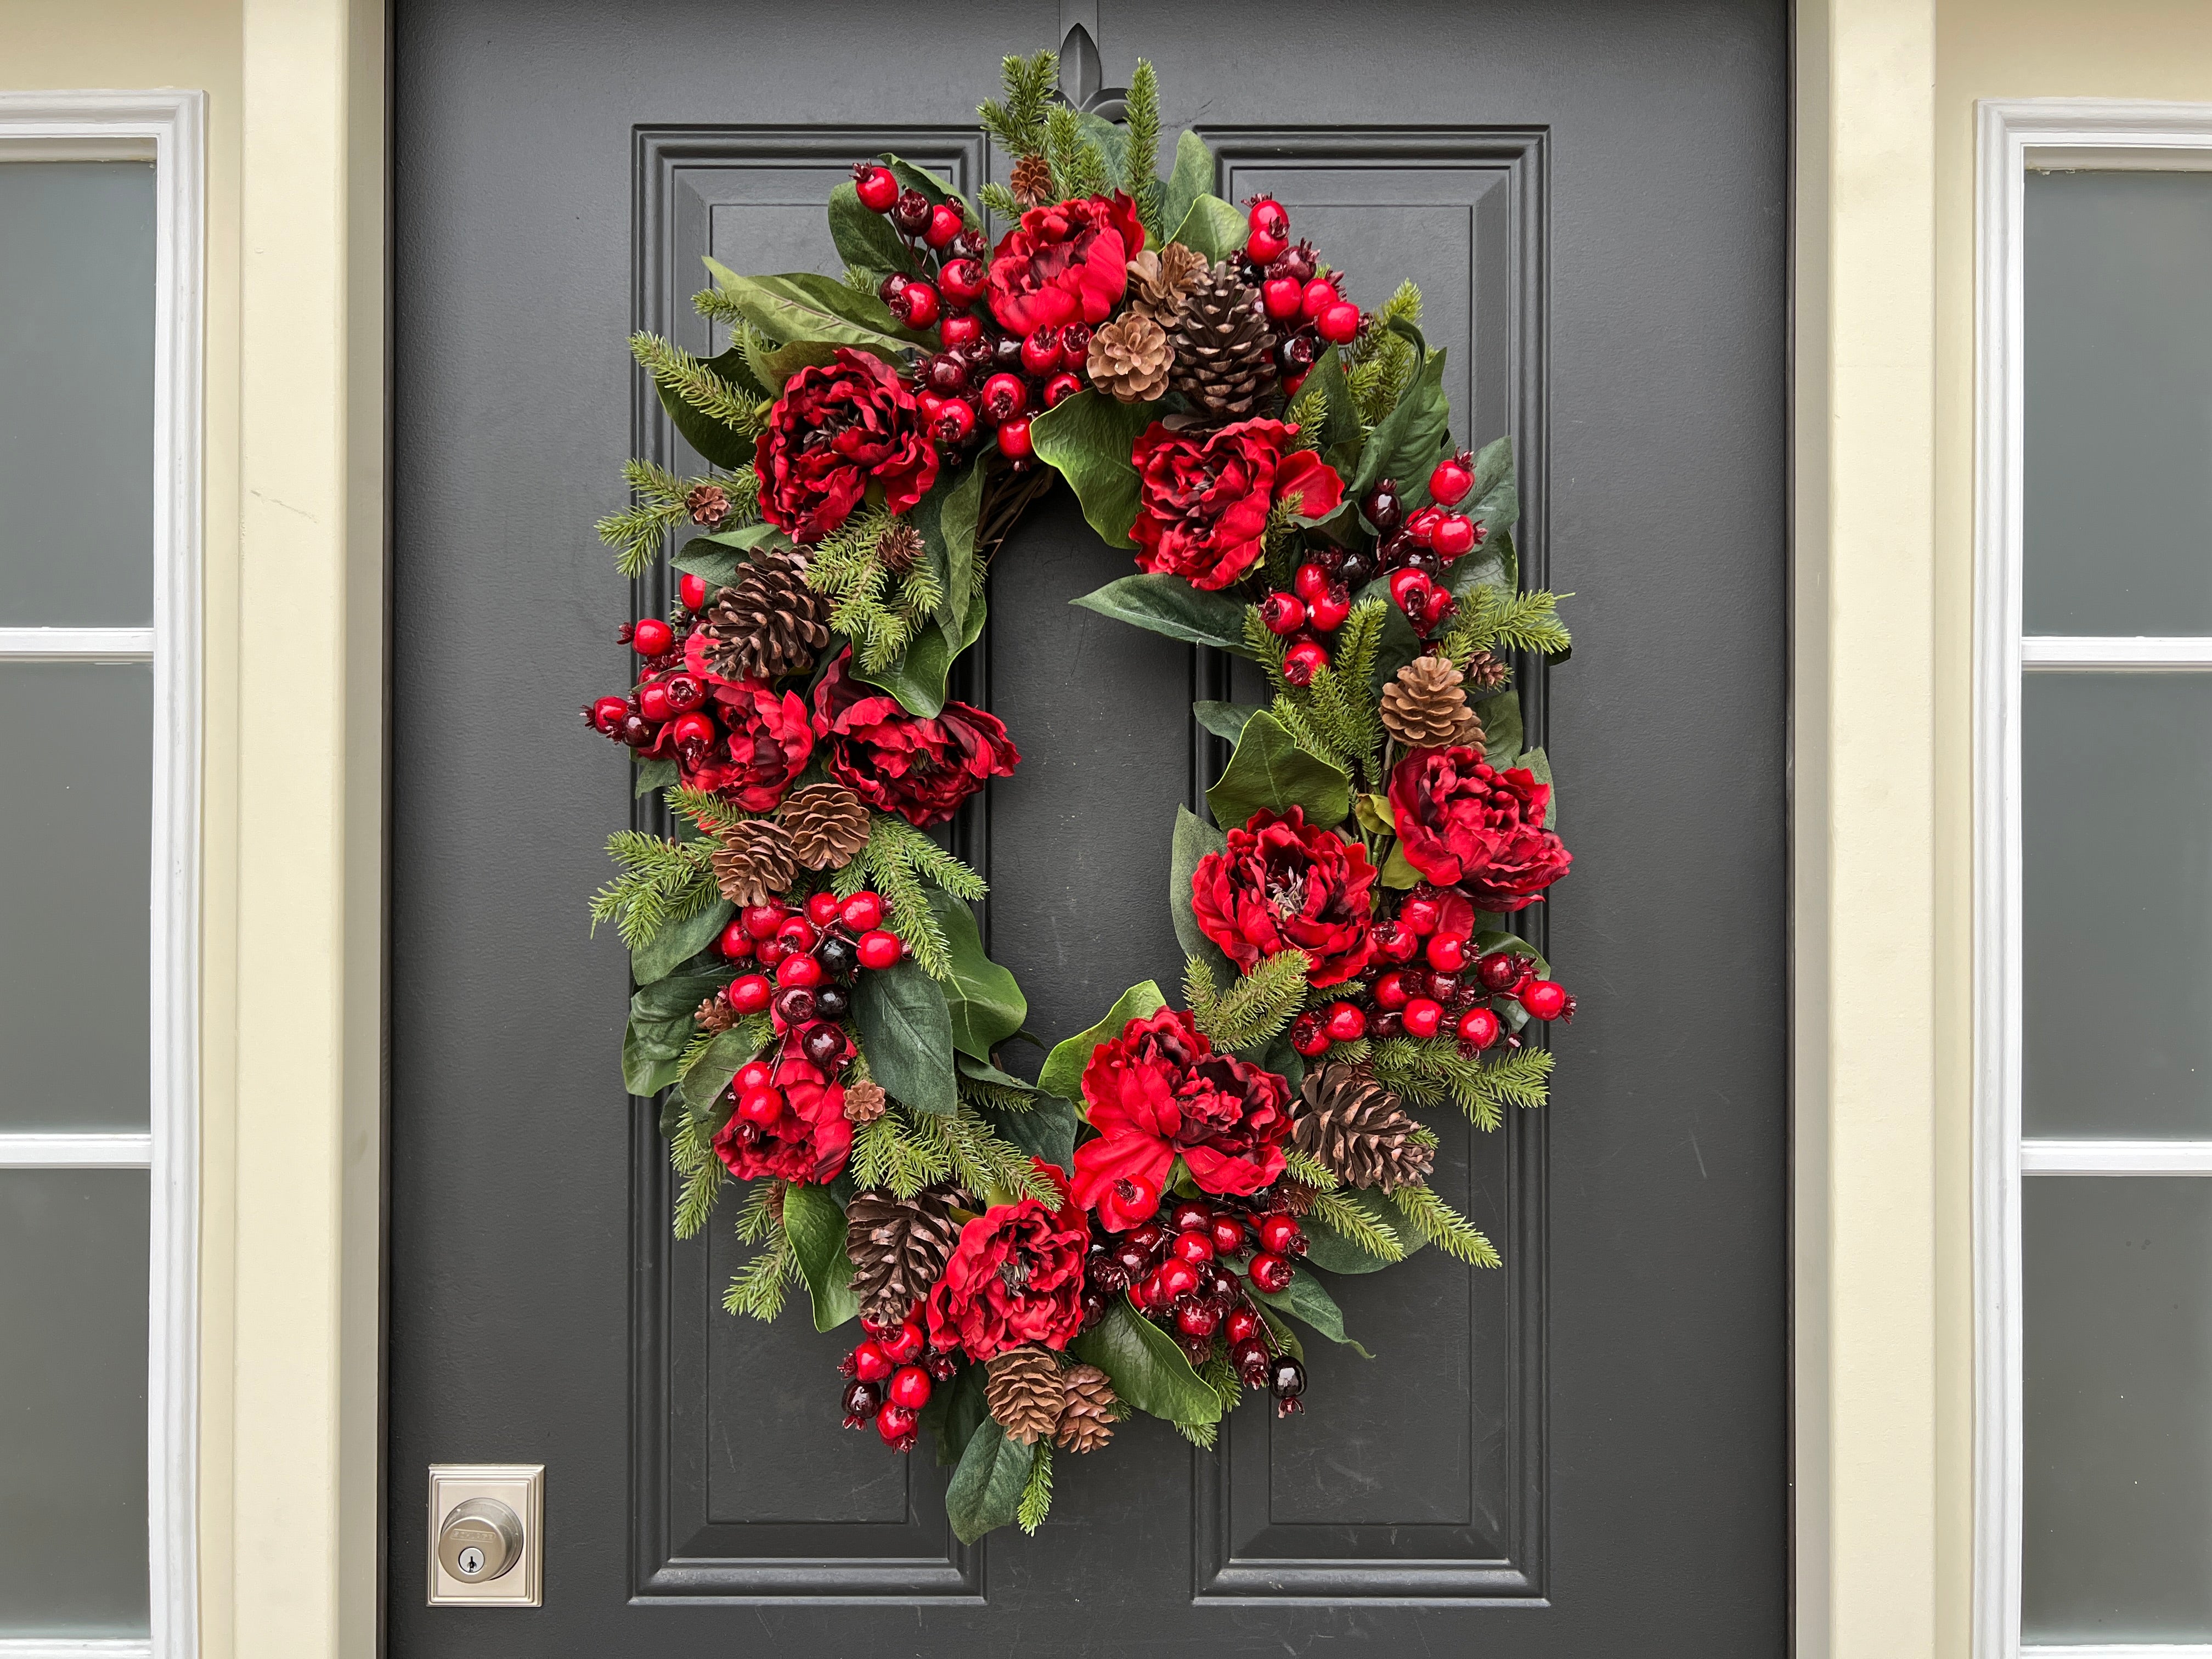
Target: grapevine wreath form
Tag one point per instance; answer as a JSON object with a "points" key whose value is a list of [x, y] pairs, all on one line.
{"points": [[1140, 1230]]}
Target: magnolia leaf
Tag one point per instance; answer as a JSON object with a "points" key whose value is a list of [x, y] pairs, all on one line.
{"points": [[678, 994], [986, 1004], [954, 1414], [815, 1222], [864, 237], [1046, 1130], [1497, 500], [1540, 764], [709, 436], [1191, 177], [716, 559], [804, 305], [1329, 1248], [1089, 440], [1307, 1300], [652, 775], [1398, 873], [1406, 442], [1224, 720], [649, 1052], [1501, 729], [1194, 839], [918, 678], [1062, 1074], [987, 1487], [1212, 226], [1269, 773], [678, 943], [1171, 605], [1147, 1366], [906, 1031], [706, 1077], [957, 513], [912, 175]]}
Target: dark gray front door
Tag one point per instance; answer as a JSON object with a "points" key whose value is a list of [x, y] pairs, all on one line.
{"points": [[1581, 1457]]}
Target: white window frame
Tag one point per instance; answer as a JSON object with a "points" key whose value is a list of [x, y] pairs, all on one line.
{"points": [[166, 128], [2014, 136]]}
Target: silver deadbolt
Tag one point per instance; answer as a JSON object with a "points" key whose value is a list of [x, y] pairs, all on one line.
{"points": [[479, 1539]]}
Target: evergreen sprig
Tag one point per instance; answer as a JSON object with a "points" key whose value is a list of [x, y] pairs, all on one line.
{"points": [[1218, 1374], [997, 199], [897, 859], [1308, 1171], [1203, 1436], [1260, 1003], [1078, 166], [1264, 648], [1037, 1491], [886, 1154], [757, 1217], [1335, 716], [1309, 412], [677, 371], [1382, 359], [1141, 159], [662, 883], [878, 609], [1445, 1227], [1351, 1220], [1428, 1072], [1017, 120], [1001, 1097], [692, 1153], [762, 1283], [703, 809], [981, 1159], [1521, 622]]}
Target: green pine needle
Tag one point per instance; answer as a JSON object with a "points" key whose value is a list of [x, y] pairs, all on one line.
{"points": [[762, 1283], [692, 1153], [1078, 166], [1142, 158], [1336, 717], [887, 1153], [1430, 1072], [1260, 1003], [1220, 1376], [1523, 622], [1018, 121], [1200, 1435], [1343, 1216], [1382, 361], [987, 1165], [1308, 1171], [1036, 1493], [757, 1215], [1309, 412], [677, 371], [997, 199], [1264, 648], [662, 883], [1445, 1227]]}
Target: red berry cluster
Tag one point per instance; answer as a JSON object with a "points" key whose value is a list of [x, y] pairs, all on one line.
{"points": [[1428, 983], [984, 382], [1308, 308], [667, 696], [1181, 1276], [805, 959], [1413, 548], [891, 1376]]}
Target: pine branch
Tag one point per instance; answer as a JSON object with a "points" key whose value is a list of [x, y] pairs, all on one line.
{"points": [[997, 198], [1078, 166], [677, 370], [662, 883], [1140, 160], [981, 1161], [1261, 1002], [936, 865], [1036, 1493], [1264, 648], [1293, 713], [1018, 121], [1336, 716], [1200, 1435], [979, 1091], [692, 1153], [1382, 361], [1309, 412], [757, 1215], [1341, 1215], [1445, 1227], [762, 1283], [1220, 1376], [1524, 622], [637, 533], [1428, 1072], [1308, 1171], [887, 1152], [702, 809]]}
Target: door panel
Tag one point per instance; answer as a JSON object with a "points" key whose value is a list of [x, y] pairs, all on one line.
{"points": [[1591, 198]]}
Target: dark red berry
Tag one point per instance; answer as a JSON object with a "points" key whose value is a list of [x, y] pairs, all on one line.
{"points": [[1189, 1215], [1228, 1234], [861, 1401], [1241, 1323], [1307, 1036], [941, 1367], [1382, 508], [1196, 1319], [1195, 1247], [1074, 342], [910, 212], [1499, 971], [1286, 1380], [794, 1005], [970, 244], [1251, 1357], [945, 375], [1152, 1238]]}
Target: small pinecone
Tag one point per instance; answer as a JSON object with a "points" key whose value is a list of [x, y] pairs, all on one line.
{"points": [[828, 824], [1159, 280], [900, 546], [1225, 351], [865, 1100], [708, 503], [1299, 1196], [1086, 1415], [1025, 1392], [1032, 181], [1485, 672], [771, 622], [898, 1246], [754, 862], [1359, 1130], [1424, 708], [1129, 359], [715, 1014]]}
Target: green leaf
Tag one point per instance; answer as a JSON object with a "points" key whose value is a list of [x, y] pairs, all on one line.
{"points": [[715, 559], [912, 175], [1340, 436], [1327, 1247], [864, 238], [1171, 605], [987, 1487], [1375, 814], [1224, 720], [918, 679], [1192, 177], [659, 956], [1194, 839], [649, 1051], [1501, 729], [1088, 439], [1397, 872], [1493, 939], [716, 443], [985, 1002], [1540, 763], [955, 1412], [1270, 773], [1408, 442], [676, 996], [958, 515], [1063, 1067], [1497, 498], [1047, 1130], [804, 305], [815, 1222], [1309, 1301], [652, 775], [1147, 1366], [1212, 226], [906, 1032], [718, 1062]]}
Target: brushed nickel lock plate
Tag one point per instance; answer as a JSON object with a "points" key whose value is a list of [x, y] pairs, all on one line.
{"points": [[486, 1535]]}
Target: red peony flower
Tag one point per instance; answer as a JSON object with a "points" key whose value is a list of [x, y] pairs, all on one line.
{"points": [[1015, 1278], [1064, 263], [1204, 496], [922, 769], [1283, 885], [1465, 824], [1159, 1091], [809, 1142], [770, 741], [839, 427]]}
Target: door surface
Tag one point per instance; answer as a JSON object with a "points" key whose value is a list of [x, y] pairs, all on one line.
{"points": [[1580, 1454]]}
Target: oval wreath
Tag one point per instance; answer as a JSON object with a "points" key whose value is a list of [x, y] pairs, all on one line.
{"points": [[1138, 1228]]}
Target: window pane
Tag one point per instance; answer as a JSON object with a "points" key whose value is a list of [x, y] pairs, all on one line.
{"points": [[2117, 885], [76, 394], [2119, 1338], [2119, 402], [76, 795], [73, 1289]]}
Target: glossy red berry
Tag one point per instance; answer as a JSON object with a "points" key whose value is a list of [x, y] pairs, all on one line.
{"points": [[1310, 582], [1250, 1355], [1424, 1018], [692, 590], [1005, 396], [1188, 1215], [1499, 971], [1074, 342], [761, 1106], [767, 953], [685, 692], [1546, 998], [651, 636], [863, 911], [944, 224], [1283, 613], [1280, 296], [880, 948], [1264, 246], [1390, 991], [761, 921], [606, 714], [910, 1388], [955, 423], [1272, 1272], [1152, 1238], [1059, 389], [797, 970], [1241, 1323], [1329, 609], [1450, 479], [737, 944], [1281, 1235], [653, 703], [1266, 213], [860, 1401], [1344, 1022], [876, 186], [1397, 941], [1453, 535], [961, 281], [1227, 1233], [1410, 589], [1340, 323], [1309, 1036], [749, 994], [754, 1075], [1446, 952], [1302, 661], [1315, 297], [1421, 524], [796, 932], [961, 330], [897, 1425], [917, 305], [1176, 1278], [1040, 352], [870, 1364], [1479, 1026], [822, 908], [1196, 1319], [1014, 439], [1194, 1247]]}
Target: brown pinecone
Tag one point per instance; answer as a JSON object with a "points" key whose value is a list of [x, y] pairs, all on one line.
{"points": [[1358, 1130], [1086, 1411], [1159, 279], [715, 1014], [754, 862], [898, 1246], [1424, 708], [1225, 351], [1128, 359], [1299, 1196], [1486, 672], [771, 622], [899, 546], [1025, 1392], [1032, 181], [865, 1100], [828, 824], [708, 503]]}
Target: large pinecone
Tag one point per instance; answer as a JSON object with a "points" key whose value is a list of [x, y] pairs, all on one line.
{"points": [[1086, 1412], [1025, 1394], [1159, 280], [828, 824], [1225, 351], [754, 862], [898, 1246], [1426, 705], [1359, 1131], [1128, 359], [771, 622]]}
